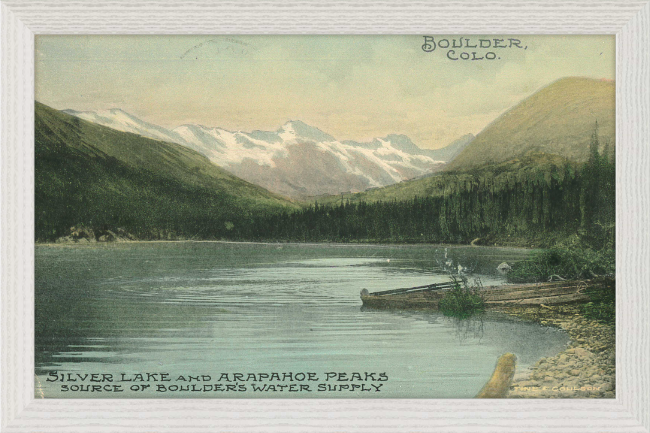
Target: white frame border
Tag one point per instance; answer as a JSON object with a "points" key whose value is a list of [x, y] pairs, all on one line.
{"points": [[628, 20]]}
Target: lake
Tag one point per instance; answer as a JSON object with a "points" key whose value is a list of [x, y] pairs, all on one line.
{"points": [[218, 320]]}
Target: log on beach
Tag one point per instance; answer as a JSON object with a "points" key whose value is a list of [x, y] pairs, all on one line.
{"points": [[499, 384]]}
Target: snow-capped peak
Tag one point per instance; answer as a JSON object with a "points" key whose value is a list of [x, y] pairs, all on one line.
{"points": [[299, 129], [295, 160]]}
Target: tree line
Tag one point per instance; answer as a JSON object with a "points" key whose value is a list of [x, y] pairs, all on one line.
{"points": [[543, 204], [541, 200]]}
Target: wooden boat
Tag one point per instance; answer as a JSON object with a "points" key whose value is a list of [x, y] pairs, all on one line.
{"points": [[428, 297]]}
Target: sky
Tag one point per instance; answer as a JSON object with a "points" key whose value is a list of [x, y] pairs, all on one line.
{"points": [[433, 89]]}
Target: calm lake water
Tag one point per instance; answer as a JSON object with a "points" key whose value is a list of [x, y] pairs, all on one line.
{"points": [[210, 309]]}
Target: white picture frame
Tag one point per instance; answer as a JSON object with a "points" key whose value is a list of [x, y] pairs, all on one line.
{"points": [[628, 20]]}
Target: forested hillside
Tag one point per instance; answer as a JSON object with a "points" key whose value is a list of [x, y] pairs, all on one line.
{"points": [[103, 180], [539, 200]]}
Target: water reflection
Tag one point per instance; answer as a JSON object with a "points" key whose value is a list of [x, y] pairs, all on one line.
{"points": [[469, 328], [464, 330]]}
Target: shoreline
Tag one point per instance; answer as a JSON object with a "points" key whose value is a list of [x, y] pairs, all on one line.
{"points": [[586, 369], [276, 243]]}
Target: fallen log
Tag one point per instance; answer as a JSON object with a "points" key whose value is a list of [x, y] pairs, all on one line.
{"points": [[551, 293], [499, 384]]}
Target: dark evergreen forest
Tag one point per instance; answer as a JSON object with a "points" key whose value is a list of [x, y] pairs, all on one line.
{"points": [[542, 205], [537, 199]]}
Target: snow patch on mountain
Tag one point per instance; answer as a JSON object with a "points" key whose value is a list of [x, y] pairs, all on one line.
{"points": [[297, 159], [120, 120]]}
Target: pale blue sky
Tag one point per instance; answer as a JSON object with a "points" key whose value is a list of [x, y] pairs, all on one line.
{"points": [[352, 87]]}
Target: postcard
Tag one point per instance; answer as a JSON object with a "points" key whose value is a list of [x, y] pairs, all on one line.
{"points": [[422, 216]]}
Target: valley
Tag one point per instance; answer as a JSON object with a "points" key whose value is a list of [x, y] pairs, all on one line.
{"points": [[534, 177]]}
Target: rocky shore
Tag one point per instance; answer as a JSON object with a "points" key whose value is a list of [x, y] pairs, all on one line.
{"points": [[586, 369], [83, 235]]}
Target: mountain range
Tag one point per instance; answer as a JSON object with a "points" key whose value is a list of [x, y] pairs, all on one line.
{"points": [[551, 128], [156, 183], [297, 160]]}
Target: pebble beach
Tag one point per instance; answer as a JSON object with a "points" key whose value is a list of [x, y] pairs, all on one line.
{"points": [[586, 369]]}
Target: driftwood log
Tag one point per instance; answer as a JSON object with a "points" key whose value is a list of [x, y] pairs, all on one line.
{"points": [[551, 293], [499, 384]]}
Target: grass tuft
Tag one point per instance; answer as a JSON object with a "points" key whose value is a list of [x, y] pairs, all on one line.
{"points": [[462, 301], [563, 263]]}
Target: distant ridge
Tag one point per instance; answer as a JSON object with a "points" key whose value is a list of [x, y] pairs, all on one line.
{"points": [[296, 160], [559, 120]]}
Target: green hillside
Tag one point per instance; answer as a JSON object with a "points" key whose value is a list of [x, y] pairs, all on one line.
{"points": [[543, 174], [445, 183], [103, 179], [538, 200], [559, 119], [547, 130]]}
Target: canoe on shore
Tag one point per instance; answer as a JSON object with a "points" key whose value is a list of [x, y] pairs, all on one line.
{"points": [[557, 292]]}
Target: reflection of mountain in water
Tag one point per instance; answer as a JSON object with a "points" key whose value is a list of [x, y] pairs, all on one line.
{"points": [[88, 328]]}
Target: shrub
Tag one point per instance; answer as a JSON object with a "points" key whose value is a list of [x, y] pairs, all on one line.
{"points": [[566, 264], [602, 311], [602, 305], [462, 301]]}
